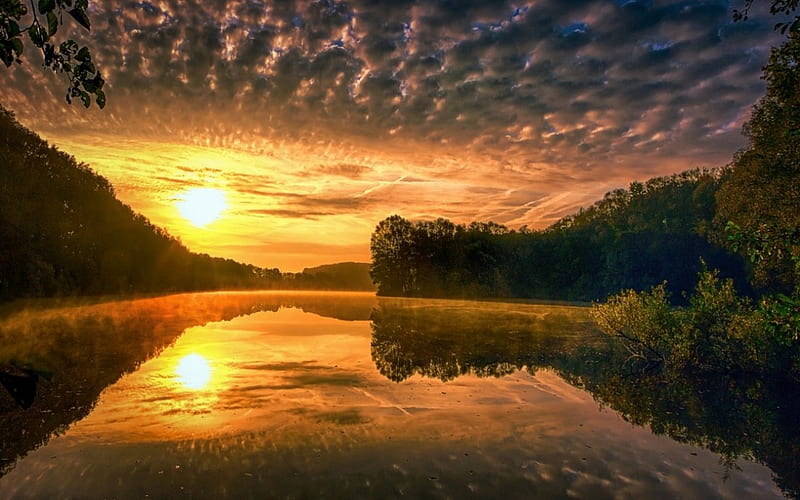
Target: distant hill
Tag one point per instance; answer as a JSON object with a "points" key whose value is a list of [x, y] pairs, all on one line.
{"points": [[342, 276]]}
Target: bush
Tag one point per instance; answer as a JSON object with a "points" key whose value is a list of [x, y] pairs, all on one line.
{"points": [[718, 331]]}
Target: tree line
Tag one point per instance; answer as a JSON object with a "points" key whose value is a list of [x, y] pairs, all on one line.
{"points": [[632, 238], [742, 220]]}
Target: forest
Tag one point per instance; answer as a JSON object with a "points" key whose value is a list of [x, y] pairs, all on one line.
{"points": [[698, 271], [636, 238], [64, 232]]}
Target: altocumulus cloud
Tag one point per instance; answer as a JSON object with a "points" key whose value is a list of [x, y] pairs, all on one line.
{"points": [[580, 92]]}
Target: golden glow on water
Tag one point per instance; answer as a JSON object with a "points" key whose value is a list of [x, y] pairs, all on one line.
{"points": [[201, 206], [291, 401], [193, 371]]}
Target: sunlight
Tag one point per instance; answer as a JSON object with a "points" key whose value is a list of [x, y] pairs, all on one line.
{"points": [[193, 371], [201, 206]]}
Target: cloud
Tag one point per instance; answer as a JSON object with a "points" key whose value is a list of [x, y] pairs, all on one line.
{"points": [[464, 72], [348, 170], [552, 102]]}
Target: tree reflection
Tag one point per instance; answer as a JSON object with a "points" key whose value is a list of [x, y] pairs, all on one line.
{"points": [[741, 417], [448, 341]]}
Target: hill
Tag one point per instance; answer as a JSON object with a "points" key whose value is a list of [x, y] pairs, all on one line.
{"points": [[342, 276], [63, 232]]}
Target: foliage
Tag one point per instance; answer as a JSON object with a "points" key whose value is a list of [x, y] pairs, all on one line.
{"points": [[718, 332], [781, 312], [644, 321], [785, 7], [632, 238], [67, 57], [757, 202]]}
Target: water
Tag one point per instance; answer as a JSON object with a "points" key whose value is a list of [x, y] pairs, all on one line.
{"points": [[308, 395]]}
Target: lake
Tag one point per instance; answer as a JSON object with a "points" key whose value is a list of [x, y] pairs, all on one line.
{"points": [[345, 395]]}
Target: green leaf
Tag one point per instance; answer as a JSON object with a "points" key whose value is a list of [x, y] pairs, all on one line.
{"points": [[5, 55], [90, 86], [80, 16], [46, 6], [52, 23], [38, 35], [83, 55], [101, 99], [13, 28], [17, 44], [87, 101], [69, 48]]}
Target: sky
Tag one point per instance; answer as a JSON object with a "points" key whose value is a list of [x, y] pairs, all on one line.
{"points": [[314, 120]]}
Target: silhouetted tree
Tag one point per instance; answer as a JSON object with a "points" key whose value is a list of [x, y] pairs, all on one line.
{"points": [[67, 57], [777, 7], [393, 251], [636, 238]]}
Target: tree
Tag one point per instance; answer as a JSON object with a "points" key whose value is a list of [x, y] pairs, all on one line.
{"points": [[67, 57], [778, 7], [392, 256], [758, 199]]}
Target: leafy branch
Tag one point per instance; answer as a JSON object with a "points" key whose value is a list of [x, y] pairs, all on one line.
{"points": [[66, 57], [782, 7]]}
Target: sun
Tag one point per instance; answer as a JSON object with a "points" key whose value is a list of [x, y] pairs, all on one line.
{"points": [[201, 206], [193, 371]]}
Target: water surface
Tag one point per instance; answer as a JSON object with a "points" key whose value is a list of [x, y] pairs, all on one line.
{"points": [[298, 395]]}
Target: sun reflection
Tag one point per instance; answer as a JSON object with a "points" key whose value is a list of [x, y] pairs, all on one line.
{"points": [[193, 371]]}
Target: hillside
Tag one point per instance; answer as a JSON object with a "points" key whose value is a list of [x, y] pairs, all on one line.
{"points": [[342, 276], [63, 232]]}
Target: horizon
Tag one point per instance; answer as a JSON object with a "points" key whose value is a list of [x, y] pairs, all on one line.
{"points": [[304, 128]]}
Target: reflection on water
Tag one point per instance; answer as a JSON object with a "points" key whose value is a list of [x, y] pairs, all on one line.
{"points": [[737, 417], [301, 395], [193, 371], [447, 339], [82, 349]]}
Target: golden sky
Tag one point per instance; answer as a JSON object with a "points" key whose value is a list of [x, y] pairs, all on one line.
{"points": [[317, 119]]}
